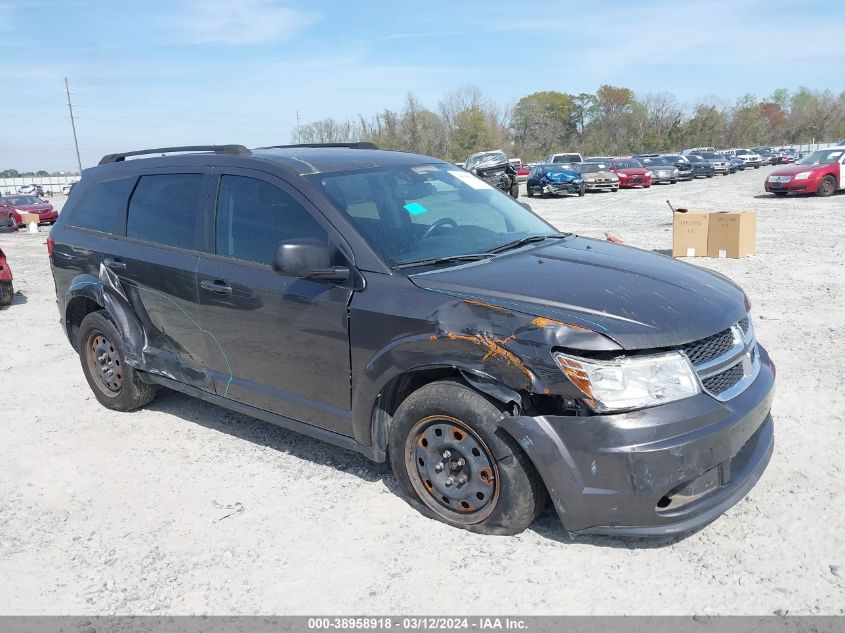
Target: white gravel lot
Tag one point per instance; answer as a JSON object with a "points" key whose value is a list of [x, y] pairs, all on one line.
{"points": [[187, 508]]}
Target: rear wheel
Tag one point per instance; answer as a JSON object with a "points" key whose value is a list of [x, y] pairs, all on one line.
{"points": [[515, 191], [826, 187], [7, 293], [454, 464], [529, 191], [115, 384]]}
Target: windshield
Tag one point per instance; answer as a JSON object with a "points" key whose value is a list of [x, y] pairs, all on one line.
{"points": [[654, 162], [674, 159], [565, 158], [558, 167], [592, 168], [711, 156], [626, 164], [821, 157], [20, 201], [429, 211]]}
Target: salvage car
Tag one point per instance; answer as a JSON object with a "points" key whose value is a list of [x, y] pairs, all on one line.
{"points": [[685, 169], [494, 169], [630, 172], [661, 169], [598, 177], [721, 165], [554, 179], [822, 173], [31, 190], [701, 167], [395, 305], [7, 289], [19, 204]]}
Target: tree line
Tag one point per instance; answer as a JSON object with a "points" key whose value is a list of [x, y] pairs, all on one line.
{"points": [[611, 121]]}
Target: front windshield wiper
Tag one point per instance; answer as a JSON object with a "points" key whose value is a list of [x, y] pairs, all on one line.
{"points": [[469, 257], [523, 241]]}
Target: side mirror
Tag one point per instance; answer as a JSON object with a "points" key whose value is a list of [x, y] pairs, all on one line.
{"points": [[307, 259]]}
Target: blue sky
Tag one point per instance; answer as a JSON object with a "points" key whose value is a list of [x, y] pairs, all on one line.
{"points": [[145, 74]]}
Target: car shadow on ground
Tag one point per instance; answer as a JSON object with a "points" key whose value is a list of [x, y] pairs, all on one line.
{"points": [[244, 427], [18, 298]]}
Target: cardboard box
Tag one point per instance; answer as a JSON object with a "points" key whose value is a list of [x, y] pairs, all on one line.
{"points": [[26, 218], [689, 233], [732, 234]]}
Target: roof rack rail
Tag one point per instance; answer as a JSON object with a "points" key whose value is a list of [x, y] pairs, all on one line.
{"points": [[217, 149], [356, 145]]}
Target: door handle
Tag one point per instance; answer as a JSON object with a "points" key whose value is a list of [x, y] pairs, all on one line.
{"points": [[217, 286], [114, 264]]}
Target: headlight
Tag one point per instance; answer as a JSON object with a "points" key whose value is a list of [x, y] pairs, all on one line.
{"points": [[675, 172], [650, 174], [803, 175], [631, 382], [578, 181], [621, 175]]}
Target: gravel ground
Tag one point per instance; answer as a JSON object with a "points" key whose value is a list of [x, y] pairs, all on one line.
{"points": [[186, 508]]}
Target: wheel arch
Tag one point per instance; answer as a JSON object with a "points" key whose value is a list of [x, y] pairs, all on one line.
{"points": [[399, 387]]}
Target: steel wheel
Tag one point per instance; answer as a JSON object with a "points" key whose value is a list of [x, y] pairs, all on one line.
{"points": [[451, 469], [826, 187], [104, 364]]}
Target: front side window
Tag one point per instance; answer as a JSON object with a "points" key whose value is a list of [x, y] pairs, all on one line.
{"points": [[411, 213], [103, 207], [253, 216], [164, 209]]}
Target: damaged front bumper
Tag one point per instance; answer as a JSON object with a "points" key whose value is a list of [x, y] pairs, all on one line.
{"points": [[560, 188], [664, 470]]}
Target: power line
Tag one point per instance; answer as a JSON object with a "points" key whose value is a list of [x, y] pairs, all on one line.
{"points": [[73, 127]]}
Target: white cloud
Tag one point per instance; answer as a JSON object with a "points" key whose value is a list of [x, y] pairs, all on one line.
{"points": [[238, 22]]}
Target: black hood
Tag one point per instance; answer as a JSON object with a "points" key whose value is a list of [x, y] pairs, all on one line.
{"points": [[639, 299]]}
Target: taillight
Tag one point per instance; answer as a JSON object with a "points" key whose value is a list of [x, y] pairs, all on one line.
{"points": [[50, 243]]}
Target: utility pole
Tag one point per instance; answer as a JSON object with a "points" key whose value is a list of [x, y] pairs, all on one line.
{"points": [[73, 127]]}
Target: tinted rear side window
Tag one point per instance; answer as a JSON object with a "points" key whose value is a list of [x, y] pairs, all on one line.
{"points": [[253, 216], [165, 209], [103, 207]]}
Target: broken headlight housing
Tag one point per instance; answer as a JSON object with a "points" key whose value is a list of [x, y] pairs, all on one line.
{"points": [[631, 382]]}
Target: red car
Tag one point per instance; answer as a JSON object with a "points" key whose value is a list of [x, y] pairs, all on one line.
{"points": [[631, 172], [19, 204], [822, 173], [6, 289]]}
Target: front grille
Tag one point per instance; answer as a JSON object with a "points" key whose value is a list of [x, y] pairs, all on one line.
{"points": [[724, 380], [709, 348]]}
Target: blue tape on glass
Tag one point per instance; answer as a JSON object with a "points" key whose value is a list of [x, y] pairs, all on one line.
{"points": [[415, 208]]}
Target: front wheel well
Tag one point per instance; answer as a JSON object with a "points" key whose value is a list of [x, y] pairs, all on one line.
{"points": [[403, 385], [77, 309]]}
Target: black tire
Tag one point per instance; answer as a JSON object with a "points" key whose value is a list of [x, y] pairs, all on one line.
{"points": [[515, 191], [529, 191], [115, 384], [674, 182], [780, 194], [826, 187], [646, 186], [581, 193], [711, 175], [7, 293], [506, 492]]}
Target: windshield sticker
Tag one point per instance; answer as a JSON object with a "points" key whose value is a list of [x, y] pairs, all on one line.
{"points": [[415, 208], [834, 154], [424, 169], [468, 179]]}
